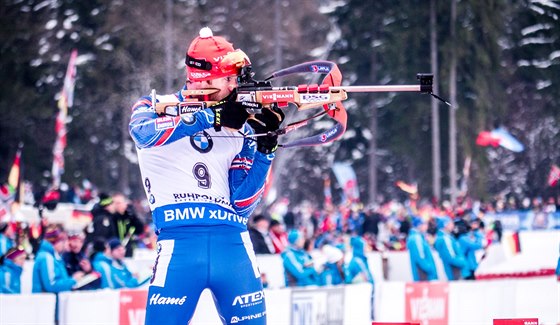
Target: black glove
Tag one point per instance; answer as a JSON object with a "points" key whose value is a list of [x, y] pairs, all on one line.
{"points": [[232, 114], [267, 121]]}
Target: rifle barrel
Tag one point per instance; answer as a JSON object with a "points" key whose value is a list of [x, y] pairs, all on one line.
{"points": [[377, 89]]}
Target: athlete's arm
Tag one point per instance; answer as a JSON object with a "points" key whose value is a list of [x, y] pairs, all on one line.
{"points": [[247, 176], [150, 130]]}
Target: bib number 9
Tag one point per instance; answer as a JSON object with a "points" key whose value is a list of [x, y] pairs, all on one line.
{"points": [[202, 175]]}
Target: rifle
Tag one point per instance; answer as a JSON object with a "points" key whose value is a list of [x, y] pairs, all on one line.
{"points": [[328, 95]]}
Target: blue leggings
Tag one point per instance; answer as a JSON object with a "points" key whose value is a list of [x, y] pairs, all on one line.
{"points": [[190, 259]]}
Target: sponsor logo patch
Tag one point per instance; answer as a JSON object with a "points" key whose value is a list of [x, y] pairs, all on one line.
{"points": [[320, 68], [198, 75], [314, 98], [202, 142], [190, 107], [330, 133], [164, 123], [277, 96], [248, 300], [237, 319], [157, 299]]}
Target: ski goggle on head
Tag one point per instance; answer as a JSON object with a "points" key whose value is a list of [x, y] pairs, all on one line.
{"points": [[229, 64]]}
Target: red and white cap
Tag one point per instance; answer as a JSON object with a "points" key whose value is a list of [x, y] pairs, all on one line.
{"points": [[205, 55]]}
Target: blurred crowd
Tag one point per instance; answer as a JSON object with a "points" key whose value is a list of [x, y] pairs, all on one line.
{"points": [[313, 242], [92, 257], [318, 246]]}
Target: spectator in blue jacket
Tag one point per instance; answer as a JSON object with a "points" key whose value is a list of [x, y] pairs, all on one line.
{"points": [[11, 267], [470, 242], [358, 269], [298, 264], [421, 259], [334, 271], [49, 270], [122, 277], [449, 249], [101, 261], [6, 240]]}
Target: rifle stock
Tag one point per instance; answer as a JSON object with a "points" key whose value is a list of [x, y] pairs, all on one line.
{"points": [[303, 96]]}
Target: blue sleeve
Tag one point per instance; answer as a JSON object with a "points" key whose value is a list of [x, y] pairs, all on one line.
{"points": [[247, 176], [124, 279], [473, 243], [417, 255], [147, 129], [51, 281], [295, 268], [445, 254], [104, 270], [358, 267]]}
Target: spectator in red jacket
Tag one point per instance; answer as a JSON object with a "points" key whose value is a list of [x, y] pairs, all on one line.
{"points": [[278, 235]]}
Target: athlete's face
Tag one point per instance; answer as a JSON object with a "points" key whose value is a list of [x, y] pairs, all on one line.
{"points": [[225, 86]]}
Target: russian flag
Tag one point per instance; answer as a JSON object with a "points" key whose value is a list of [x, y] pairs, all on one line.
{"points": [[499, 137]]}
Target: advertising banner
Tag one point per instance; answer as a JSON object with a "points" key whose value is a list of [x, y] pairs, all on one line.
{"points": [[132, 307], [427, 303], [525, 220], [317, 306]]}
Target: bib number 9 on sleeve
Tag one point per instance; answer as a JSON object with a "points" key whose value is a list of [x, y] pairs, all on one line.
{"points": [[202, 175]]}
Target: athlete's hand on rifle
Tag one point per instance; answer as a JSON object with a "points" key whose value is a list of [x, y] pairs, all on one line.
{"points": [[268, 121], [232, 114]]}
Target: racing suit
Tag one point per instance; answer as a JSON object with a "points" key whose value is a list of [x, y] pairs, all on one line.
{"points": [[202, 186]]}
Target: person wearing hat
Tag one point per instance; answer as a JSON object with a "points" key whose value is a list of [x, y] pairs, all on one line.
{"points": [[102, 226], [358, 268], [121, 275], [203, 175], [298, 264], [421, 258], [101, 261], [11, 267], [334, 269], [449, 249], [49, 270], [470, 242]]}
